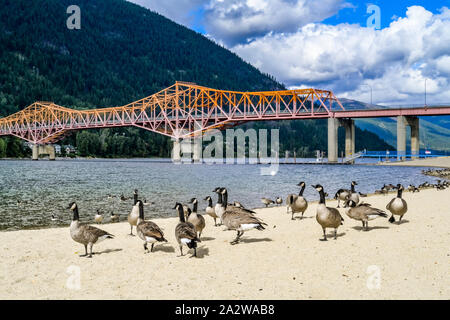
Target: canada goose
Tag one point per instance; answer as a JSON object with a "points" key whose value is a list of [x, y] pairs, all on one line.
{"points": [[297, 203], [196, 219], [363, 212], [147, 203], [53, 218], [133, 217], [239, 219], [397, 206], [279, 201], [218, 209], [267, 202], [238, 204], [85, 234], [185, 232], [114, 217], [123, 198], [148, 231], [98, 217], [135, 197], [210, 210], [224, 203], [341, 194], [327, 217]]}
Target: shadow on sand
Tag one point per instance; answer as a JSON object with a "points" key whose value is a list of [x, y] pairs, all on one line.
{"points": [[107, 251]]}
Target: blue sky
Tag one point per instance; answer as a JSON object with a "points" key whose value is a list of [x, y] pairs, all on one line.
{"points": [[328, 43]]}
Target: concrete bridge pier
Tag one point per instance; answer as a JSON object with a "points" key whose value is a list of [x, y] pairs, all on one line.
{"points": [[197, 152], [402, 122], [349, 125], [38, 150], [333, 125], [176, 151]]}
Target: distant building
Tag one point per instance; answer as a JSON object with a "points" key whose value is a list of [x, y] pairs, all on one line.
{"points": [[57, 148], [70, 149]]}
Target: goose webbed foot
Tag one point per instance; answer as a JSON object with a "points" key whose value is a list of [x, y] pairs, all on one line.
{"points": [[238, 237], [151, 248], [195, 253], [392, 219], [335, 234], [89, 256], [85, 252]]}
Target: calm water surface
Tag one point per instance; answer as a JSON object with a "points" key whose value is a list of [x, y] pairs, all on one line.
{"points": [[30, 192]]}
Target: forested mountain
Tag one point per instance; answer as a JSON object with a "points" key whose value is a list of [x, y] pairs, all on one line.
{"points": [[122, 53]]}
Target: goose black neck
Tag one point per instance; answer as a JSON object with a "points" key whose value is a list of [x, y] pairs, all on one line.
{"points": [[301, 191], [141, 212], [181, 214], [322, 197], [352, 188], [135, 196], [194, 208], [399, 193], [209, 202], [76, 216], [219, 200], [225, 200]]}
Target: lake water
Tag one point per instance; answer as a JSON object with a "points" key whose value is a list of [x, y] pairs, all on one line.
{"points": [[30, 192]]}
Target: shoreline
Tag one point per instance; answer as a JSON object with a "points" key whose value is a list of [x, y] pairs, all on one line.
{"points": [[284, 261]]}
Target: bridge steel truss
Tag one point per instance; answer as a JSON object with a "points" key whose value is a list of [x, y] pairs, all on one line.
{"points": [[179, 111]]}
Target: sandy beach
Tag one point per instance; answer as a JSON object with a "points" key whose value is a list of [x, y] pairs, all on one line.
{"points": [[285, 261], [442, 162]]}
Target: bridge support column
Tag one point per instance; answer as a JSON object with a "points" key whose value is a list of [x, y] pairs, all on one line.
{"points": [[38, 150], [176, 151], [35, 152], [401, 138], [402, 122], [349, 125], [415, 140], [197, 152], [333, 125]]}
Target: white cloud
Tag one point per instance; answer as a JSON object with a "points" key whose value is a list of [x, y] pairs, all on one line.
{"points": [[238, 21], [395, 61]]}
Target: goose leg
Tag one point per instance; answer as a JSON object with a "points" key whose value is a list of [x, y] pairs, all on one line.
{"points": [[324, 235], [181, 250], [145, 247], [292, 218], [237, 238], [131, 232], [151, 248], [335, 233], [90, 250], [85, 250], [215, 224], [195, 253], [302, 215]]}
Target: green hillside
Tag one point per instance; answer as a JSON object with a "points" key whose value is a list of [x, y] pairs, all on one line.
{"points": [[122, 53]]}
